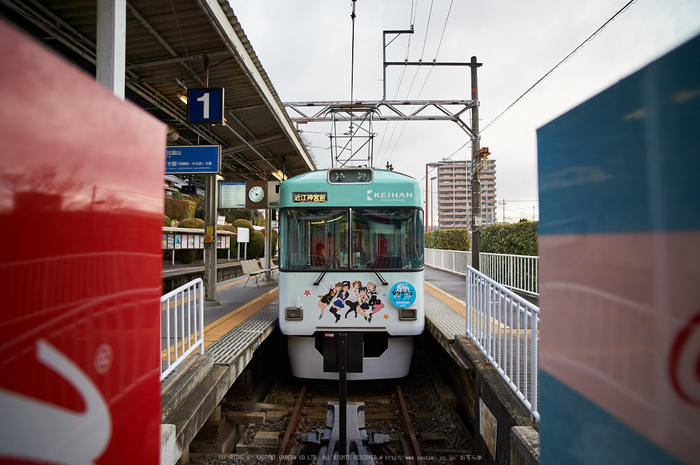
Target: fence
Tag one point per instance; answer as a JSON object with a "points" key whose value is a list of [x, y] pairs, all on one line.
{"points": [[182, 324], [455, 261], [505, 327], [516, 272]]}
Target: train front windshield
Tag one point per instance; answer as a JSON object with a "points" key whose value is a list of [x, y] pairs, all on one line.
{"points": [[360, 238]]}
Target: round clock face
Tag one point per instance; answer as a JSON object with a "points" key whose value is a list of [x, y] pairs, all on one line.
{"points": [[256, 194]]}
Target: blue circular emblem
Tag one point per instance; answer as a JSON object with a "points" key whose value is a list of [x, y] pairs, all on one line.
{"points": [[403, 294]]}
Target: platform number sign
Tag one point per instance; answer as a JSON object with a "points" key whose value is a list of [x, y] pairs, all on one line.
{"points": [[205, 105]]}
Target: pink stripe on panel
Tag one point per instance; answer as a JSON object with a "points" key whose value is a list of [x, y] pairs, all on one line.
{"points": [[620, 325]]}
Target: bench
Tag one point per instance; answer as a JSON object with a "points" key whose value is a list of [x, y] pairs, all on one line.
{"points": [[251, 268], [273, 267]]}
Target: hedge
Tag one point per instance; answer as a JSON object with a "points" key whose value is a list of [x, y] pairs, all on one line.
{"points": [[448, 239], [516, 239]]}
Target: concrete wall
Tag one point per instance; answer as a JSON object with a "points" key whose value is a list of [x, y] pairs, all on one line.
{"points": [[501, 425]]}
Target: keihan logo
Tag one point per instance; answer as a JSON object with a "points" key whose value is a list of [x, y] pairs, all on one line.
{"points": [[400, 196]]}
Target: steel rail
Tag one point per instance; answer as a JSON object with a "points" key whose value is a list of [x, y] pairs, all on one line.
{"points": [[291, 426], [408, 424]]}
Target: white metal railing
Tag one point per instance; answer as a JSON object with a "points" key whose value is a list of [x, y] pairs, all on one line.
{"points": [[516, 272], [505, 327], [181, 325], [455, 261]]}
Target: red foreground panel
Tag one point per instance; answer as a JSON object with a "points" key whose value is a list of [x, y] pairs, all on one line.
{"points": [[81, 202]]}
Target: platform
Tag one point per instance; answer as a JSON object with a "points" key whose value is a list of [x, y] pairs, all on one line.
{"points": [[236, 328]]}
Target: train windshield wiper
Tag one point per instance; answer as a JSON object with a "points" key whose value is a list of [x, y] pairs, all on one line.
{"points": [[374, 268], [328, 265]]}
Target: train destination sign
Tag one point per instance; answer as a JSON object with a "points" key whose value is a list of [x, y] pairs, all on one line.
{"points": [[186, 159], [310, 197]]}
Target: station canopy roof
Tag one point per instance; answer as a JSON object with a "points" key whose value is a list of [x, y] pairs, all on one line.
{"points": [[170, 45]]}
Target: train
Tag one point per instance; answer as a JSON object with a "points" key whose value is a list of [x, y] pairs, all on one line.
{"points": [[351, 265]]}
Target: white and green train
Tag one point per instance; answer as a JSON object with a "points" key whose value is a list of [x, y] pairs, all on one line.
{"points": [[351, 262]]}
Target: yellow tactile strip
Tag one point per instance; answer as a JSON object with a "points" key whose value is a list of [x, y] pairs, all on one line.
{"points": [[217, 329], [451, 301]]}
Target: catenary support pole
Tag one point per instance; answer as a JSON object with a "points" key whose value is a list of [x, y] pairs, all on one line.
{"points": [[476, 182]]}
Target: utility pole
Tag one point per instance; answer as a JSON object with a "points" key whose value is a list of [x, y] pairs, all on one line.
{"points": [[476, 182]]}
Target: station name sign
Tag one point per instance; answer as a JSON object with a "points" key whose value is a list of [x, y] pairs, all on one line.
{"points": [[310, 197], [186, 159]]}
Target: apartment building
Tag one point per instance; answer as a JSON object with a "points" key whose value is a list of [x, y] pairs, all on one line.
{"points": [[454, 194]]}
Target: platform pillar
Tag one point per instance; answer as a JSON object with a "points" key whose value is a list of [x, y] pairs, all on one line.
{"points": [[111, 45], [210, 218]]}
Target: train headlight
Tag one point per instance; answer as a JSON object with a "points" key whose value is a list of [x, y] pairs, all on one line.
{"points": [[293, 313], [350, 175], [408, 314]]}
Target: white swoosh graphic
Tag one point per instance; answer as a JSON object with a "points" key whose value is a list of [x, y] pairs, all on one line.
{"points": [[36, 430]]}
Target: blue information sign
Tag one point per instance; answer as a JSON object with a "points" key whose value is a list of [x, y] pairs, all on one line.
{"points": [[186, 159], [205, 105]]}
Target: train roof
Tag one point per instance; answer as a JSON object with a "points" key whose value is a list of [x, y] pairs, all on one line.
{"points": [[383, 188], [379, 174]]}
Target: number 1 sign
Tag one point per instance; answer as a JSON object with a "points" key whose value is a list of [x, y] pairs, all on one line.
{"points": [[205, 105]]}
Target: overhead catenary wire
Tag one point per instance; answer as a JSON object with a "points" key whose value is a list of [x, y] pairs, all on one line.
{"points": [[427, 29], [420, 92], [401, 76], [352, 54], [414, 13], [619, 12]]}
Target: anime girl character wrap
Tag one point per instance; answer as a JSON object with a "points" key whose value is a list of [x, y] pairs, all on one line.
{"points": [[339, 300], [373, 293], [353, 297], [363, 304], [328, 297]]}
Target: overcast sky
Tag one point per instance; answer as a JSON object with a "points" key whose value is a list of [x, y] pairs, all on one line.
{"points": [[305, 48]]}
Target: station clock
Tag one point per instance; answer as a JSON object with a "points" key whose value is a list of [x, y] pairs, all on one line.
{"points": [[256, 194]]}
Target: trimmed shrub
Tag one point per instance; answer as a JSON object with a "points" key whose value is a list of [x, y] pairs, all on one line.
{"points": [[178, 209], [516, 239], [193, 223], [448, 239], [274, 243], [166, 221], [241, 223], [256, 247]]}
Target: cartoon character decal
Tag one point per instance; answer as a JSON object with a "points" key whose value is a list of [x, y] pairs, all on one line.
{"points": [[350, 299]]}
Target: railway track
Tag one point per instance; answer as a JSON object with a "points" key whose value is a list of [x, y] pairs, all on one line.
{"points": [[406, 421]]}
